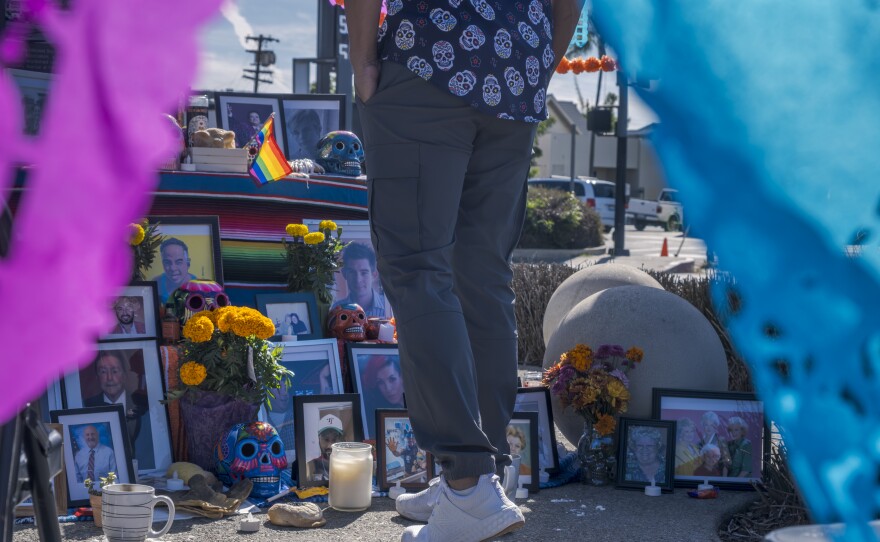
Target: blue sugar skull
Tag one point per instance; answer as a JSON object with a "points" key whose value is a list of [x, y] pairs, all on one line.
{"points": [[341, 153], [252, 450]]}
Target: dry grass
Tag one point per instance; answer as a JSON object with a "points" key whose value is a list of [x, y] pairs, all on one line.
{"points": [[534, 283]]}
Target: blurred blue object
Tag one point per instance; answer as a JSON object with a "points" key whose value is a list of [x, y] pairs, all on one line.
{"points": [[769, 129]]}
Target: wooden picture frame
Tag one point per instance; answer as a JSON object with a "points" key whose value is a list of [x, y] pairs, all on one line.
{"points": [[201, 237], [538, 400], [145, 417], [375, 376], [282, 308], [139, 302], [695, 413], [523, 431], [645, 444], [306, 119], [104, 427], [235, 112], [398, 458], [311, 413]]}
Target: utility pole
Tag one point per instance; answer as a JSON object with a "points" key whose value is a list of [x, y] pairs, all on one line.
{"points": [[261, 58], [620, 188], [601, 46]]}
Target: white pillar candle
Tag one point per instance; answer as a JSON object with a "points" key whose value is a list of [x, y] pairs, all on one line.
{"points": [[351, 476], [386, 333]]}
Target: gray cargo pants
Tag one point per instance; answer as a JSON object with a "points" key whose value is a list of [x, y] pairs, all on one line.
{"points": [[447, 194]]}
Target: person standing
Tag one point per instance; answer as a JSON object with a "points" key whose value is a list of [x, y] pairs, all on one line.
{"points": [[449, 96], [94, 460]]}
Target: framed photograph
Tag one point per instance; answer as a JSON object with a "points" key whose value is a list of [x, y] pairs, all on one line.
{"points": [[294, 314], [318, 372], [34, 89], [191, 250], [308, 118], [245, 114], [375, 377], [522, 437], [538, 400], [58, 485], [720, 436], [400, 459], [325, 420], [357, 281], [136, 312], [95, 443], [127, 373], [646, 451]]}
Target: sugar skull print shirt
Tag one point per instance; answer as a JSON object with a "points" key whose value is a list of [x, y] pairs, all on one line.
{"points": [[495, 54]]}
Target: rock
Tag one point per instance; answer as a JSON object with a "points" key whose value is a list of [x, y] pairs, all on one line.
{"points": [[682, 349], [587, 282], [302, 514]]}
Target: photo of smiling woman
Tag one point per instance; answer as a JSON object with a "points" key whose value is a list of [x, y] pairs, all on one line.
{"points": [[378, 381]]}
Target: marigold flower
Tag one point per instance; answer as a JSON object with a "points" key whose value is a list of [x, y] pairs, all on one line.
{"points": [[314, 238], [225, 316], [137, 234], [193, 373], [327, 225], [564, 66], [605, 425], [577, 66], [617, 390], [198, 329], [592, 64], [297, 230], [635, 354], [608, 63]]}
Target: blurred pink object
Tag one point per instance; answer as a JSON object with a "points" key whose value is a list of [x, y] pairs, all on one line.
{"points": [[118, 67]]}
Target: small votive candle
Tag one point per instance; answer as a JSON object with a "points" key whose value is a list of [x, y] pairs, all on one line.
{"points": [[351, 476], [705, 486], [386, 333], [652, 490]]}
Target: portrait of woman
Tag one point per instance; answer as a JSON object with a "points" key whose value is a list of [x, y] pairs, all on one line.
{"points": [[739, 447], [378, 381], [709, 424], [687, 452], [646, 455], [518, 442], [710, 455]]}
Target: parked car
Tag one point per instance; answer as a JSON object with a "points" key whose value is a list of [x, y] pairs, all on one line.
{"points": [[596, 193], [667, 212]]}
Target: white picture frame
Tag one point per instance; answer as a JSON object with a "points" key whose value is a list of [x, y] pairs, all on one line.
{"points": [[144, 295]]}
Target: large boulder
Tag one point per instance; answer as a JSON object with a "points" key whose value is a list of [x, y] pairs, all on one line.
{"points": [[587, 282], [681, 348]]}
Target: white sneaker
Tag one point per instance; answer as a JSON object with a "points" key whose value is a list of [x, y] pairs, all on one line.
{"points": [[484, 513], [418, 506]]}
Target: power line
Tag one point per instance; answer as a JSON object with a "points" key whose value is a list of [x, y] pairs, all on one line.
{"points": [[262, 58]]}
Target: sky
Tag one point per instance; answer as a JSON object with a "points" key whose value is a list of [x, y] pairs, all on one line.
{"points": [[294, 24]]}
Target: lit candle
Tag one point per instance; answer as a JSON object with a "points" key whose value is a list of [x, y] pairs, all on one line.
{"points": [[351, 476]]}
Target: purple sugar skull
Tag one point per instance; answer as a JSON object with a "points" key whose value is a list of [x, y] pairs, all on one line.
{"points": [[484, 9], [528, 34], [514, 81], [491, 90], [532, 70], [405, 37], [420, 67], [503, 43], [255, 451], [196, 296], [444, 20]]}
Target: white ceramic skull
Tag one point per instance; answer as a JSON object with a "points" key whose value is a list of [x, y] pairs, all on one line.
{"points": [[444, 55], [444, 20], [548, 56], [503, 44], [420, 67], [514, 81], [462, 82], [491, 90], [405, 37], [484, 9], [539, 101], [536, 11], [394, 6], [528, 34], [533, 70], [472, 38]]}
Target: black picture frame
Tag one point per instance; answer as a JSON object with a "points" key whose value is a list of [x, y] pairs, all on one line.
{"points": [[370, 364], [146, 324], [537, 399], [278, 307], [328, 110], [233, 113], [201, 235], [530, 480], [109, 422], [688, 407], [308, 412], [394, 423], [637, 436]]}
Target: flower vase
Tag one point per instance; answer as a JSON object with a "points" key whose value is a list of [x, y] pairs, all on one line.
{"points": [[207, 416], [597, 462]]}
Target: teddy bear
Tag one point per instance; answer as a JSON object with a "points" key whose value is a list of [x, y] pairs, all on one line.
{"points": [[213, 137]]}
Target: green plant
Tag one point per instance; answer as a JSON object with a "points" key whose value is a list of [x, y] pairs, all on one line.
{"points": [[556, 219], [312, 258], [145, 241], [102, 481]]}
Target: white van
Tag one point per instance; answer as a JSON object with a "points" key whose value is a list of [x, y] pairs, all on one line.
{"points": [[596, 193]]}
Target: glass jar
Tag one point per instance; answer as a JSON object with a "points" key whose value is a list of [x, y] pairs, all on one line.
{"points": [[351, 476]]}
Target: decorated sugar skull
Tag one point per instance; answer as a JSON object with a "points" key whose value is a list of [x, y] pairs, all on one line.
{"points": [[341, 152], [255, 451], [444, 55], [514, 81], [539, 101], [462, 82], [484, 9], [491, 90], [528, 34], [405, 37], [532, 70], [444, 20], [196, 296], [548, 56], [420, 67], [503, 43], [536, 11], [472, 38], [548, 31], [394, 6], [347, 322]]}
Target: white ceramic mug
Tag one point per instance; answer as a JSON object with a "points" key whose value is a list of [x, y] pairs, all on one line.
{"points": [[127, 512], [511, 476]]}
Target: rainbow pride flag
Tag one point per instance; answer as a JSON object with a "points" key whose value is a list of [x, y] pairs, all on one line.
{"points": [[270, 164]]}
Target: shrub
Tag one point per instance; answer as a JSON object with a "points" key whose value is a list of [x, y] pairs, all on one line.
{"points": [[534, 283], [556, 219]]}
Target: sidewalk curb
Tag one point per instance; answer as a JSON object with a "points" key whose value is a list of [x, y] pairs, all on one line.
{"points": [[553, 254]]}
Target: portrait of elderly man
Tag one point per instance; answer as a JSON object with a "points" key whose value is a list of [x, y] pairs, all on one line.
{"points": [[94, 459], [129, 312]]}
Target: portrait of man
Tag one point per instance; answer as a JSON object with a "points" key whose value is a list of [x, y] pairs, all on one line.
{"points": [[174, 254], [248, 128], [246, 114], [400, 446], [129, 312], [360, 276], [330, 432], [94, 457]]}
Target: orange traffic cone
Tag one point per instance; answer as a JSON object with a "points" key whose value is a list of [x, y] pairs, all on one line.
{"points": [[665, 250]]}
